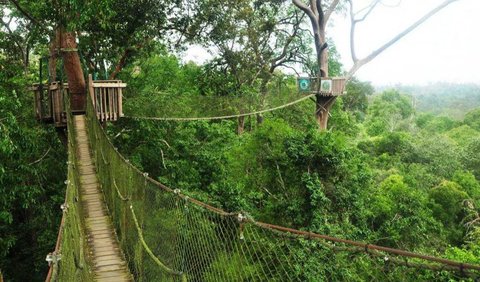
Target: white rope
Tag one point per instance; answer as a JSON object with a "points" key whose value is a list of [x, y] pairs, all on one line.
{"points": [[222, 117]]}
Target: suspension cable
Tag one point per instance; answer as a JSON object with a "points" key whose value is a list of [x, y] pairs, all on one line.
{"points": [[221, 117]]}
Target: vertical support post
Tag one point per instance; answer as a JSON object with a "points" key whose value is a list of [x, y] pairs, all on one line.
{"points": [[104, 103], [40, 96], [120, 109], [91, 90], [115, 103], [110, 103]]}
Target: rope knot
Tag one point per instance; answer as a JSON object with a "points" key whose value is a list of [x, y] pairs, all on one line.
{"points": [[176, 191], [145, 174], [64, 207]]}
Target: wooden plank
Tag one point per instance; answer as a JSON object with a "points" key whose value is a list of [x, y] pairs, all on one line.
{"points": [[115, 103], [104, 103], [110, 267], [110, 102], [120, 100], [105, 255], [106, 84], [109, 260]]}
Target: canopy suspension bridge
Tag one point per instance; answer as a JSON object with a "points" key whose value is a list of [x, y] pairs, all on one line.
{"points": [[119, 224]]}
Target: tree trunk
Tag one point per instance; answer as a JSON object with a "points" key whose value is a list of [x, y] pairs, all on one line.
{"points": [[240, 125], [324, 104], [74, 72], [121, 63], [52, 60], [263, 97]]}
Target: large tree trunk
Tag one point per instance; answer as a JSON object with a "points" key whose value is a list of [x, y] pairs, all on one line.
{"points": [[55, 44], [319, 18], [324, 104], [73, 70]]}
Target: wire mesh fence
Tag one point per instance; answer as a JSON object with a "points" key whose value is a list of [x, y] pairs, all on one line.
{"points": [[168, 236]]}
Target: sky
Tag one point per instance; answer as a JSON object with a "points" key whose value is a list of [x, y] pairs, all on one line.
{"points": [[446, 48]]}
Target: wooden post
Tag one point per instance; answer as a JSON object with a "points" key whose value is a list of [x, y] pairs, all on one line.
{"points": [[92, 91], [120, 106], [110, 103], [104, 103]]}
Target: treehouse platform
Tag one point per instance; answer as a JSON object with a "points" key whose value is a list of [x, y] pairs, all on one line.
{"points": [[49, 105], [329, 86]]}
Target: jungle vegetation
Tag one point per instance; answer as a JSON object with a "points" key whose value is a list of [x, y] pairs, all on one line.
{"points": [[389, 170]]}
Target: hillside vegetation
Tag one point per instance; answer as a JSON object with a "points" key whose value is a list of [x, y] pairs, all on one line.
{"points": [[446, 99], [385, 173]]}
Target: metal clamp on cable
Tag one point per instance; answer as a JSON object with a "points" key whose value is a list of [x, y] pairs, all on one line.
{"points": [[241, 217], [53, 258], [64, 207]]}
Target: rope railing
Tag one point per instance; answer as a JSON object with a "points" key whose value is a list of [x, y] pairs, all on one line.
{"points": [[165, 233], [144, 244], [224, 116]]}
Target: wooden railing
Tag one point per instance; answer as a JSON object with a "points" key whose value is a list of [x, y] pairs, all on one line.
{"points": [[56, 93], [50, 105], [106, 96]]}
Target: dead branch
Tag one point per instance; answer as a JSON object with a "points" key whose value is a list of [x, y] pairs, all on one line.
{"points": [[357, 63]]}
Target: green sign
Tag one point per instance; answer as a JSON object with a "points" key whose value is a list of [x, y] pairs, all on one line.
{"points": [[303, 84], [326, 85]]}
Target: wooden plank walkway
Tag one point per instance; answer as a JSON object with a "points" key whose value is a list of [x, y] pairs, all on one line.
{"points": [[105, 254]]}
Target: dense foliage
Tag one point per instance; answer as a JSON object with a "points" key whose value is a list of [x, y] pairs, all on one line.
{"points": [[385, 174], [32, 172]]}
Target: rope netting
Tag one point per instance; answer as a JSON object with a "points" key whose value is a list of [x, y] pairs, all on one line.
{"points": [[68, 262], [168, 236]]}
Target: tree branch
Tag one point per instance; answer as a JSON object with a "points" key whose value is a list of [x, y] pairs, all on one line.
{"points": [[370, 8], [330, 10], [353, 24], [12, 36], [25, 13], [305, 9], [375, 53], [320, 9], [121, 63]]}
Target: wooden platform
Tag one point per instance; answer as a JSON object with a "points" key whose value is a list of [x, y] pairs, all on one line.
{"points": [[106, 257]]}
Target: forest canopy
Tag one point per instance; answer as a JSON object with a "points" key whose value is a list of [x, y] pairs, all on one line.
{"points": [[397, 167]]}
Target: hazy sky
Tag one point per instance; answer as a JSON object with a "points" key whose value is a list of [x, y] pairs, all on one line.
{"points": [[445, 48]]}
